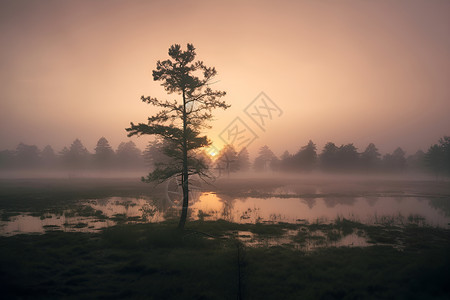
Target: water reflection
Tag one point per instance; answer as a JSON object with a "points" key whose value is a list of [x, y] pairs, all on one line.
{"points": [[51, 222], [87, 216], [95, 214], [372, 210], [297, 189], [127, 208], [371, 200], [310, 202], [303, 239], [331, 202]]}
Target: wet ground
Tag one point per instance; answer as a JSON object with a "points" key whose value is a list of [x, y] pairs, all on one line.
{"points": [[117, 239], [322, 204]]}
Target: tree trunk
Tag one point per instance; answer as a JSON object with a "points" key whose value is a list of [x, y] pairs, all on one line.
{"points": [[185, 174], [184, 209]]}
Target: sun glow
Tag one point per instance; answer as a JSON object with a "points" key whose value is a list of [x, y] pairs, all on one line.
{"points": [[212, 151]]}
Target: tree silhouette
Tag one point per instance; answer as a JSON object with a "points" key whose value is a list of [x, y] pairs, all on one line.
{"points": [[370, 158], [77, 156], [348, 157], [243, 160], [128, 155], [154, 155], [264, 159], [48, 157], [305, 159], [396, 161], [433, 158], [64, 157], [329, 157], [416, 162], [285, 161], [104, 154], [444, 143], [179, 122], [27, 156], [437, 157], [228, 159]]}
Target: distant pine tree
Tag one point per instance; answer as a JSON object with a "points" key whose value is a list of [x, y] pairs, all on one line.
{"points": [[104, 154]]}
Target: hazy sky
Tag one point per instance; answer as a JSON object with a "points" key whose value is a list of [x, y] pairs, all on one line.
{"points": [[340, 71]]}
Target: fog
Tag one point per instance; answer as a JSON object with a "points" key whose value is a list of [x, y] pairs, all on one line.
{"points": [[224, 149], [357, 72], [128, 161]]}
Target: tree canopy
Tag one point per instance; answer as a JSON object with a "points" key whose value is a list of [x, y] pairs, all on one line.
{"points": [[180, 121]]}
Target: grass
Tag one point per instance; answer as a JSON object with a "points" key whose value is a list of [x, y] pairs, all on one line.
{"points": [[347, 273], [156, 261], [151, 261]]}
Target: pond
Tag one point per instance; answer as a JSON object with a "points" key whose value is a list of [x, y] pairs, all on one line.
{"points": [[92, 215], [367, 210]]}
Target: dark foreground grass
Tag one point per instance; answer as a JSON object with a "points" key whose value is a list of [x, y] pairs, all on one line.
{"points": [[134, 261], [155, 261]]}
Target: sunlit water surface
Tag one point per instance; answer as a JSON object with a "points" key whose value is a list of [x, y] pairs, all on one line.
{"points": [[373, 210], [92, 215]]}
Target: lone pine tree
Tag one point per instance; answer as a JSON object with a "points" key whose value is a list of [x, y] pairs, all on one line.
{"points": [[179, 123]]}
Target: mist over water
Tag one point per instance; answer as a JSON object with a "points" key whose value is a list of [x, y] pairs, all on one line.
{"points": [[302, 199], [300, 150]]}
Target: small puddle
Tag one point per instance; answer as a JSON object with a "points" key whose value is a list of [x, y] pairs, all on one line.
{"points": [[89, 216], [51, 222], [302, 239]]}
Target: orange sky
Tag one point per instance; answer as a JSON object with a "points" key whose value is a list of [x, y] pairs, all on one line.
{"points": [[357, 71]]}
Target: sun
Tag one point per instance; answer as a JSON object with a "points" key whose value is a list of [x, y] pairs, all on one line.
{"points": [[212, 151]]}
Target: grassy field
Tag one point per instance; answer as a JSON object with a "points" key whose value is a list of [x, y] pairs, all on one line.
{"points": [[208, 260], [155, 261]]}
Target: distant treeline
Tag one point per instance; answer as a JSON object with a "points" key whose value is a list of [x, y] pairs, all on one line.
{"points": [[340, 159], [76, 157], [332, 158]]}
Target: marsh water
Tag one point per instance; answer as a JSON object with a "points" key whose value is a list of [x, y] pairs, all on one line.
{"points": [[284, 206]]}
